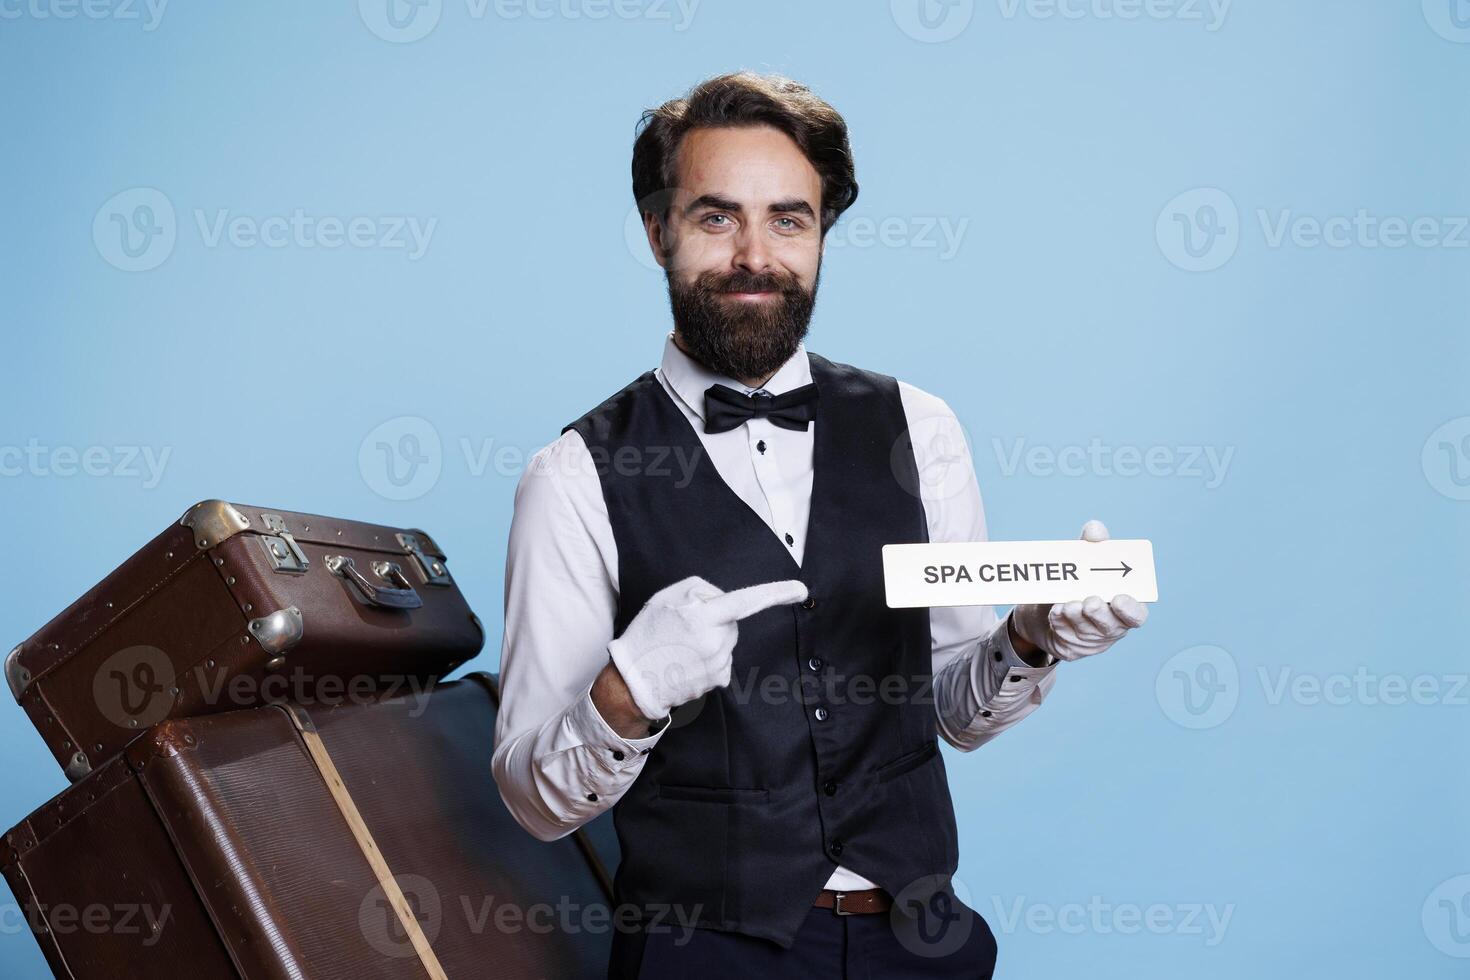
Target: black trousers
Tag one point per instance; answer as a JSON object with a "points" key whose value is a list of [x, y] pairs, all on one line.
{"points": [[945, 941]]}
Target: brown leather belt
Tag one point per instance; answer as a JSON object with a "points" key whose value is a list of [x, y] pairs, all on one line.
{"points": [[854, 903]]}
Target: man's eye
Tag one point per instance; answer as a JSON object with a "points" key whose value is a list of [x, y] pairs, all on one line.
{"points": [[788, 224], [718, 220]]}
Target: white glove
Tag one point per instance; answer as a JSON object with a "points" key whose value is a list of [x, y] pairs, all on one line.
{"points": [[678, 646], [1073, 630]]}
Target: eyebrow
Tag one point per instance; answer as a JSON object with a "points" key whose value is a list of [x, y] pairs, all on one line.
{"points": [[793, 206]]}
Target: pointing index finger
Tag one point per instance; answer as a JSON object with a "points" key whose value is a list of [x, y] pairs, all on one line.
{"points": [[734, 606]]}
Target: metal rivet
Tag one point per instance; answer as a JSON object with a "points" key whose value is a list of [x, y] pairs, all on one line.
{"points": [[248, 607], [219, 561], [203, 542], [244, 640], [132, 723], [230, 580], [209, 663]]}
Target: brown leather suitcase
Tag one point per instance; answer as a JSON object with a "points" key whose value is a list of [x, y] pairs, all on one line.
{"points": [[354, 841], [234, 606]]}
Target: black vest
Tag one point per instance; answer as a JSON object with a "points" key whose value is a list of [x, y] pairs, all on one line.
{"points": [[822, 750]]}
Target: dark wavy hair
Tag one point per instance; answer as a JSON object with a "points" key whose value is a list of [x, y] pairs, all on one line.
{"points": [[746, 99]]}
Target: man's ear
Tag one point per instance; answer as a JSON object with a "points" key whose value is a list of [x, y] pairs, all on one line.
{"points": [[658, 238]]}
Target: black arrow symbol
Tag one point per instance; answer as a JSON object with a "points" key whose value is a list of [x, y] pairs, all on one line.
{"points": [[1123, 567]]}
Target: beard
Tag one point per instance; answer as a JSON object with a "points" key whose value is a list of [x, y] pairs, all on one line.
{"points": [[737, 338]]}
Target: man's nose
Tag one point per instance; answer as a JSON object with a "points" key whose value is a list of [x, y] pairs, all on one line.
{"points": [[752, 253]]}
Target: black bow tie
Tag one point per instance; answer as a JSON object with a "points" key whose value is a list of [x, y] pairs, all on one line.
{"points": [[725, 408]]}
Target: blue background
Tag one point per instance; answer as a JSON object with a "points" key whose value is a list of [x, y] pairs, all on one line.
{"points": [[1333, 834]]}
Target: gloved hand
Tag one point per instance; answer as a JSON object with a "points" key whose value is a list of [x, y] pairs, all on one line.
{"points": [[1073, 630], [678, 646]]}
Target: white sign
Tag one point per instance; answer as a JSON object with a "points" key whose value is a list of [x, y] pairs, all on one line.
{"points": [[990, 573]]}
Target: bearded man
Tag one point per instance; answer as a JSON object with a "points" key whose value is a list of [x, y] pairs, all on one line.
{"points": [[777, 785]]}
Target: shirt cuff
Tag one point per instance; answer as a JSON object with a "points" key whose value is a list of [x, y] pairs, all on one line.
{"points": [[1009, 675], [612, 750]]}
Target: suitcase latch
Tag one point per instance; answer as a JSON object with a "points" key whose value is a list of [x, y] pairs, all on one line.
{"points": [[430, 567], [281, 549]]}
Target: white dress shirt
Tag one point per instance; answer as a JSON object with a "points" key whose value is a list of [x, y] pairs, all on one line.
{"points": [[557, 762]]}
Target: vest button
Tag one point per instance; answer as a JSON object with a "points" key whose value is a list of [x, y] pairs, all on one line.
{"points": [[820, 714], [618, 754], [830, 787], [815, 663], [592, 797], [809, 603], [835, 847]]}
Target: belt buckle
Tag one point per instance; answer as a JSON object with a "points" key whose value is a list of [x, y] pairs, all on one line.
{"points": [[837, 904]]}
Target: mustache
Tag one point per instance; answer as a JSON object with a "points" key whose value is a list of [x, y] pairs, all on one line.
{"points": [[742, 281]]}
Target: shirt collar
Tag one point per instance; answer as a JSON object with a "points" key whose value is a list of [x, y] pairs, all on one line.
{"points": [[689, 379]]}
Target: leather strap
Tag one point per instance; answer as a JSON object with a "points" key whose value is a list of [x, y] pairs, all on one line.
{"points": [[319, 755], [863, 902]]}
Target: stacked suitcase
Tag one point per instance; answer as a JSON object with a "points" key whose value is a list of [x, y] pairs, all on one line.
{"points": [[269, 780]]}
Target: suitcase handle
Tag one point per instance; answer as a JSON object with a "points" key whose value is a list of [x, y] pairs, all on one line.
{"points": [[388, 597]]}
